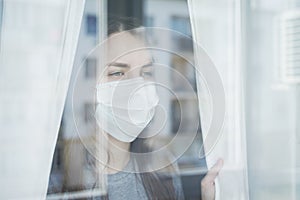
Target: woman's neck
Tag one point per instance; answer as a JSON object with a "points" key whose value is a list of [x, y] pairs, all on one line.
{"points": [[119, 155]]}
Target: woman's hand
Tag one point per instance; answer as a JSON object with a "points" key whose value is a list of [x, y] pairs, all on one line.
{"points": [[208, 182]]}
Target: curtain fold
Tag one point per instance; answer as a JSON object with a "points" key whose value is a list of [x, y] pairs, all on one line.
{"points": [[216, 26], [38, 45]]}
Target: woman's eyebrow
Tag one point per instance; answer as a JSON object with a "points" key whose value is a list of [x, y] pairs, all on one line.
{"points": [[147, 65], [150, 63], [117, 64]]}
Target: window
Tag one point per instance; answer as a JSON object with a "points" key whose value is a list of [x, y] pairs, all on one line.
{"points": [[90, 68], [184, 115], [77, 177], [181, 24], [185, 69], [149, 21], [88, 112], [57, 158], [55, 184], [91, 25]]}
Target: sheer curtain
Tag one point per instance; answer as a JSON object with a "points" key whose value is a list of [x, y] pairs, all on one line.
{"points": [[216, 26], [38, 44]]}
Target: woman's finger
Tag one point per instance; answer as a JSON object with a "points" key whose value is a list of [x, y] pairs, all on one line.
{"points": [[214, 171]]}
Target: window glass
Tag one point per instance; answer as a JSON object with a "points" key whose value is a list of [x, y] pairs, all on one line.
{"points": [[91, 24], [174, 124], [181, 24], [272, 105], [138, 99], [77, 177], [91, 68]]}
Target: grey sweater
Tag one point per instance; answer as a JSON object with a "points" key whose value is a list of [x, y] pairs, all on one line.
{"points": [[126, 185]]}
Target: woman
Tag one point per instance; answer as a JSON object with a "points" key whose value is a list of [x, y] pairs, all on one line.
{"points": [[126, 103]]}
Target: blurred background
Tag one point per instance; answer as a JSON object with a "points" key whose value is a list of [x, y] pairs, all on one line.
{"points": [[255, 45]]}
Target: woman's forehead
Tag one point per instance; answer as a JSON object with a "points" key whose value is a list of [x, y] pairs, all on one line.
{"points": [[127, 48]]}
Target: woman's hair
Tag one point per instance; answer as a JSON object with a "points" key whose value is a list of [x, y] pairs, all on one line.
{"points": [[156, 184], [119, 24]]}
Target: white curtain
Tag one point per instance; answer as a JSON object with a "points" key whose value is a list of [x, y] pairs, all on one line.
{"points": [[216, 28], [38, 45]]}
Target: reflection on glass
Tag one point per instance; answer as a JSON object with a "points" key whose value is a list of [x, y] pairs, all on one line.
{"points": [[81, 154]]}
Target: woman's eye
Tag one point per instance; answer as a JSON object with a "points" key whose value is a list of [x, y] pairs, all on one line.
{"points": [[116, 74], [147, 74]]}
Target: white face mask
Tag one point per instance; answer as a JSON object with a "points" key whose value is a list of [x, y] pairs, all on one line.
{"points": [[125, 107]]}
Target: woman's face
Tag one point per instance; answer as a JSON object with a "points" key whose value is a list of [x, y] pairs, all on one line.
{"points": [[125, 61], [124, 109]]}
